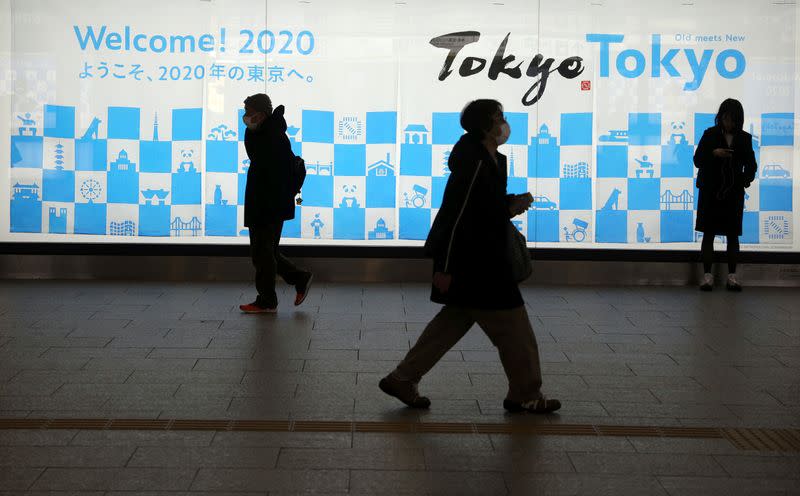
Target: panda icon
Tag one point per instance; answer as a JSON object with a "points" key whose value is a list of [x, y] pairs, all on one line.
{"points": [[678, 137], [187, 161], [349, 199]]}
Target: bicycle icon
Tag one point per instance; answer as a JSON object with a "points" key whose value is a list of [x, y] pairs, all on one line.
{"points": [[578, 234], [417, 198]]}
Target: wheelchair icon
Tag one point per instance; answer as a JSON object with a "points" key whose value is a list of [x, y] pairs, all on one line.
{"points": [[578, 234], [417, 198]]}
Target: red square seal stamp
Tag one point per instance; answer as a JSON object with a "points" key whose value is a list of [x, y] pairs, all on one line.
{"points": [[586, 85]]}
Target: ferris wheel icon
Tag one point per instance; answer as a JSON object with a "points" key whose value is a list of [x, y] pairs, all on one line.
{"points": [[91, 189]]}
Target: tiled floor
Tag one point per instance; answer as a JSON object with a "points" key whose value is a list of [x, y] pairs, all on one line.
{"points": [[632, 357]]}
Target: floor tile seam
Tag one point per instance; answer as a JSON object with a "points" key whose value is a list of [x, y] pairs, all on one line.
{"points": [[736, 436]]}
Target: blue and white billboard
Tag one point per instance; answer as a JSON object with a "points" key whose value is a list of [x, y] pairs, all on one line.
{"points": [[123, 119]]}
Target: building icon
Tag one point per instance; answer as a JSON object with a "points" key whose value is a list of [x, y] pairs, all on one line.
{"points": [[416, 134], [58, 221], [544, 154], [381, 168], [158, 194], [124, 228], [26, 208], [544, 137], [122, 163], [380, 231], [26, 192]]}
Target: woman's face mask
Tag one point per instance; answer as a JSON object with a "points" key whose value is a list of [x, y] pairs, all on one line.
{"points": [[505, 132]]}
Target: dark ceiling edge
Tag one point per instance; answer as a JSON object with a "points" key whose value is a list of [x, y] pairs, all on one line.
{"points": [[606, 255]]}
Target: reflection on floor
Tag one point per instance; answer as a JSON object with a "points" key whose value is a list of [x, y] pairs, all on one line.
{"points": [[166, 387]]}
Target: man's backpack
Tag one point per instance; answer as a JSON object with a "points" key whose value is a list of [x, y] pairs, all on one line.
{"points": [[297, 176]]}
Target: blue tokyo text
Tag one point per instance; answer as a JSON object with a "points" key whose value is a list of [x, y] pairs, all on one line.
{"points": [[632, 63]]}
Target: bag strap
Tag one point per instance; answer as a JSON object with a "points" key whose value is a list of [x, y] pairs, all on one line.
{"points": [[460, 213]]}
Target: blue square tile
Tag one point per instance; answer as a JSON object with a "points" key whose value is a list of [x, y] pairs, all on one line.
{"points": [[187, 124], [90, 218], [123, 187], [438, 184], [415, 160], [242, 185], [415, 223], [58, 186], [154, 220], [576, 193], [775, 195], [677, 160], [220, 220], [381, 127], [317, 126], [447, 128], [26, 215], [517, 185], [241, 124], [677, 226], [543, 160], [222, 156], [155, 156], [543, 226], [297, 147], [519, 127], [576, 129], [349, 223], [750, 232], [644, 129], [702, 122], [186, 188], [644, 194], [612, 161], [27, 151], [318, 191], [612, 226], [350, 160], [381, 192], [91, 155], [59, 121], [292, 227], [123, 123], [777, 129]]}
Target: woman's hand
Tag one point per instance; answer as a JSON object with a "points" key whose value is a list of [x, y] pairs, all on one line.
{"points": [[442, 281], [519, 204], [722, 152]]}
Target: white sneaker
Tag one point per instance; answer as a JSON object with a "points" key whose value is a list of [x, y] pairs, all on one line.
{"points": [[733, 283], [707, 284]]}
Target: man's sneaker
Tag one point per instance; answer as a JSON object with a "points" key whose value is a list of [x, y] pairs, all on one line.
{"points": [[256, 308], [541, 405], [707, 284], [405, 391], [302, 290], [733, 283]]}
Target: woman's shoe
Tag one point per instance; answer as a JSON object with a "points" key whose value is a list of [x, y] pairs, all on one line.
{"points": [[405, 391], [541, 405], [733, 283], [707, 284]]}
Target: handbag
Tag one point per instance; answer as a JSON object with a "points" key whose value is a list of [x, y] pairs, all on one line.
{"points": [[518, 254]]}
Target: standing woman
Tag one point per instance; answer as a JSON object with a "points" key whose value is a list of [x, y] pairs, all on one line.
{"points": [[726, 166], [473, 275]]}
